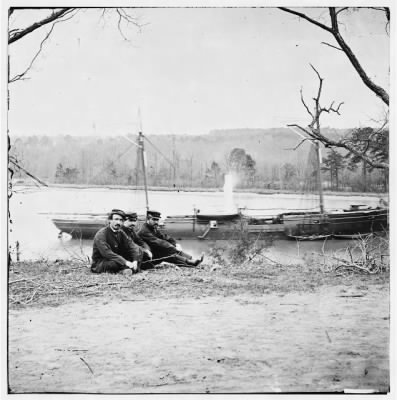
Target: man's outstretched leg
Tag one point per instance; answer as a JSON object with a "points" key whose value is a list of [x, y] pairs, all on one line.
{"points": [[184, 261]]}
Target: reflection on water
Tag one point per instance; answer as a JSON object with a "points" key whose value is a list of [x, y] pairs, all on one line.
{"points": [[229, 206], [38, 237]]}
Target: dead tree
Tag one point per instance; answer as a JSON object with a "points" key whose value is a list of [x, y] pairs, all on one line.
{"points": [[313, 130]]}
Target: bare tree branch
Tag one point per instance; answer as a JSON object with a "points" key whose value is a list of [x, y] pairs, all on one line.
{"points": [[316, 118], [317, 73], [21, 76], [13, 161], [58, 17], [15, 35], [303, 130], [303, 102], [341, 10], [307, 18], [299, 144], [353, 59], [119, 24], [387, 12], [129, 19], [385, 122], [123, 18], [332, 109], [313, 130], [330, 45], [342, 144], [334, 30]]}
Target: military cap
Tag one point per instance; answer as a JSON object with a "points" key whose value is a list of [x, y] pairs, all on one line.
{"points": [[153, 214], [131, 215], [118, 212]]}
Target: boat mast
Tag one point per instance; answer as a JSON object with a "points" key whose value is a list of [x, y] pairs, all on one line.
{"points": [[141, 146], [319, 178], [316, 144]]}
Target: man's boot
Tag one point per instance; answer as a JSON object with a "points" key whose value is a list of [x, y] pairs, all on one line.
{"points": [[199, 260], [183, 261], [196, 262]]}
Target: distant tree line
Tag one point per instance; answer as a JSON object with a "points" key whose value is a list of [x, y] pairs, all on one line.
{"points": [[258, 159]]}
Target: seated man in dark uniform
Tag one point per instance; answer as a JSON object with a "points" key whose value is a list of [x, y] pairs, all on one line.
{"points": [[129, 228], [112, 250], [163, 246]]}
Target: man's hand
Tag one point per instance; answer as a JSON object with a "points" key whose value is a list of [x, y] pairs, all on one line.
{"points": [[178, 247], [132, 265], [149, 253]]}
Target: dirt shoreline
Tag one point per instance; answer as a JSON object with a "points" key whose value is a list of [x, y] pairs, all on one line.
{"points": [[206, 331]]}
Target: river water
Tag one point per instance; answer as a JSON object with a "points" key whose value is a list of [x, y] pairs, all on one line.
{"points": [[31, 210]]}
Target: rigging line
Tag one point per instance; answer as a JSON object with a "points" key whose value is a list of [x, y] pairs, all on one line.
{"points": [[131, 141], [118, 156], [159, 151]]}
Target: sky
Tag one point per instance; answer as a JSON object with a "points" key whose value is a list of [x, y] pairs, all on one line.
{"points": [[190, 71]]}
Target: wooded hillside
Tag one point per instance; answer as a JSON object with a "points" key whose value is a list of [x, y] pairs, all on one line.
{"points": [[259, 158]]}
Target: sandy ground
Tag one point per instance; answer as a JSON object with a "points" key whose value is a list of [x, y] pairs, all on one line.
{"points": [[332, 339]]}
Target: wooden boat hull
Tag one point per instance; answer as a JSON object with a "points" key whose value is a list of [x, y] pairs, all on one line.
{"points": [[299, 226], [79, 228], [359, 222], [180, 227], [344, 225]]}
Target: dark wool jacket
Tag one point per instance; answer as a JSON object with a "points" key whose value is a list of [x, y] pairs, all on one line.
{"points": [[159, 242], [133, 235], [114, 246]]}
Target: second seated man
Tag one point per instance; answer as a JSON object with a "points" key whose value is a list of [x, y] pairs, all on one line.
{"points": [[130, 229], [162, 245]]}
